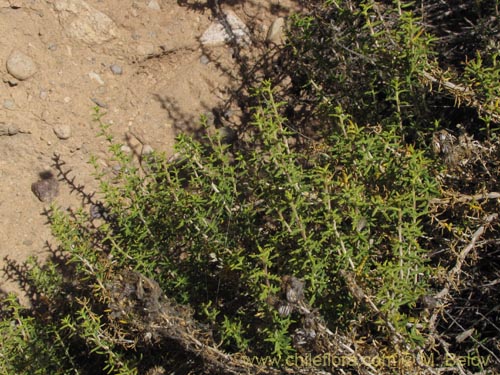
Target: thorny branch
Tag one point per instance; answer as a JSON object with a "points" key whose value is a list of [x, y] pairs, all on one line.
{"points": [[460, 93]]}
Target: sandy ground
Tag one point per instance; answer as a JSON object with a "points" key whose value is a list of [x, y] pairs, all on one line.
{"points": [[168, 79]]}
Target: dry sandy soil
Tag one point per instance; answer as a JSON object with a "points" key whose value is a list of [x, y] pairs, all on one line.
{"points": [[168, 79]]}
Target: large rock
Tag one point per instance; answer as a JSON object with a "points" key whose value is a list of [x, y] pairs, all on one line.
{"points": [[83, 22], [20, 66], [217, 35]]}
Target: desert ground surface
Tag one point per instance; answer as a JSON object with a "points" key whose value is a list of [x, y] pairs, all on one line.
{"points": [[148, 65]]}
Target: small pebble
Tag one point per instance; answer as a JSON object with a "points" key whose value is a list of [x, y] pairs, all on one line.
{"points": [[126, 149], [98, 211], [9, 104], [46, 188], [96, 77], [20, 66], [204, 59], [153, 4], [145, 49], [52, 46], [99, 103], [275, 33], [116, 69], [95, 211], [147, 150], [62, 131]]}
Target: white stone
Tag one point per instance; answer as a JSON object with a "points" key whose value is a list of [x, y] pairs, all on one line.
{"points": [[96, 77], [125, 149], [9, 104], [217, 35], [146, 49], [83, 22], [20, 66], [146, 150], [62, 131], [153, 4], [275, 32]]}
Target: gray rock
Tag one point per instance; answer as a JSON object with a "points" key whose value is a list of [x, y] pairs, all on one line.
{"points": [[20, 66], [9, 104], [46, 188], [98, 211], [275, 32], [99, 103], [217, 35], [95, 211], [116, 69], [204, 59], [62, 131]]}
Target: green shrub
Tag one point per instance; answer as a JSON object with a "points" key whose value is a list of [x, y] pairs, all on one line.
{"points": [[221, 226], [300, 237]]}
